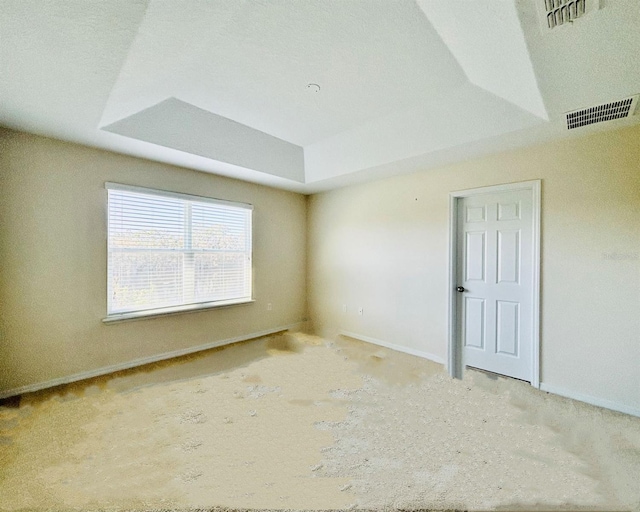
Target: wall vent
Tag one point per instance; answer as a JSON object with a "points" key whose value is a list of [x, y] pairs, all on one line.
{"points": [[556, 13], [601, 113]]}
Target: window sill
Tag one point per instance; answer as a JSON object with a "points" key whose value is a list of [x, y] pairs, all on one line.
{"points": [[175, 310]]}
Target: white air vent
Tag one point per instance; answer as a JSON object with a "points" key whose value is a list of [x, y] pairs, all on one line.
{"points": [[556, 13], [600, 113]]}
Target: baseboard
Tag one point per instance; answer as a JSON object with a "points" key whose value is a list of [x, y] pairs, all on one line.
{"points": [[393, 346], [29, 388], [600, 402]]}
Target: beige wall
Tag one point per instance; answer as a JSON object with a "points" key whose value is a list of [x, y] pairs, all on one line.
{"points": [[383, 246], [53, 261]]}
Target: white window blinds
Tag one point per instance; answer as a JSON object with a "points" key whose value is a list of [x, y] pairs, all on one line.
{"points": [[167, 250]]}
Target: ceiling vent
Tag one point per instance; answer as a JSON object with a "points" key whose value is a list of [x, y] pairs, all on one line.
{"points": [[601, 113], [556, 13]]}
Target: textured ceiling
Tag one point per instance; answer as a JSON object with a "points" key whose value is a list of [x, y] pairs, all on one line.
{"points": [[221, 86]]}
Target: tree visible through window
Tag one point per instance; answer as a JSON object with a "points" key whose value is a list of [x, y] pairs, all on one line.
{"points": [[169, 250]]}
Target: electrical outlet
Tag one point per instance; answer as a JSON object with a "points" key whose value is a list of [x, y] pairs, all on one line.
{"points": [[269, 307], [344, 308], [360, 311]]}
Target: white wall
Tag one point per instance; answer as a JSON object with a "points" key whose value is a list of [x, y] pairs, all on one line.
{"points": [[53, 254], [383, 246]]}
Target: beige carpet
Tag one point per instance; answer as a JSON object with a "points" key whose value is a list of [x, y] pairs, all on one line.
{"points": [[300, 423]]}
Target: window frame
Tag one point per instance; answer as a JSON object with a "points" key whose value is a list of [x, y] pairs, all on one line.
{"points": [[181, 308]]}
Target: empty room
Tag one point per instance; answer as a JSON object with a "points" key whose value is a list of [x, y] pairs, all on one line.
{"points": [[319, 255]]}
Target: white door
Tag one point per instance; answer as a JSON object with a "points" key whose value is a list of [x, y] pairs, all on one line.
{"points": [[495, 282]]}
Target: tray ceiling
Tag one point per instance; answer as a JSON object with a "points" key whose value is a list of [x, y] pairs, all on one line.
{"points": [[223, 86]]}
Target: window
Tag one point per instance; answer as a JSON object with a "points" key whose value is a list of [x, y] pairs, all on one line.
{"points": [[171, 252]]}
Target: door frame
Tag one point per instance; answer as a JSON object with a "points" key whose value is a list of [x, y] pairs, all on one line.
{"points": [[455, 364]]}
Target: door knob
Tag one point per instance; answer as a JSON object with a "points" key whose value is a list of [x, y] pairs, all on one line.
{"points": [[461, 289]]}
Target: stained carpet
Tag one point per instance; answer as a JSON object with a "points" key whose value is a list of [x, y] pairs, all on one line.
{"points": [[297, 422]]}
